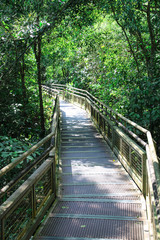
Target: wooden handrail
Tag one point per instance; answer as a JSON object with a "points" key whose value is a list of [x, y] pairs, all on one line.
{"points": [[23, 173], [17, 195], [19, 159], [135, 125], [29, 192], [90, 97], [64, 87], [24, 155]]}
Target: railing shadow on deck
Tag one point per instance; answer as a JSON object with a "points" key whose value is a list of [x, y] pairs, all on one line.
{"points": [[22, 212], [131, 143]]}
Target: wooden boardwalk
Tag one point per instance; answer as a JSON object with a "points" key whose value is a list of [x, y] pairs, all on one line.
{"points": [[97, 199]]}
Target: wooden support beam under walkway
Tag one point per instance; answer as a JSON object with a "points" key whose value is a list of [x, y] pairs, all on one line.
{"points": [[97, 198]]}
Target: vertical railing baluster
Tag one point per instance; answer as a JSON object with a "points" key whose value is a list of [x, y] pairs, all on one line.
{"points": [[53, 178], [33, 201], [130, 156], [113, 138], [144, 175], [120, 147]]}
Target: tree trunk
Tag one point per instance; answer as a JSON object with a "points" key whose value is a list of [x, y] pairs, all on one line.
{"points": [[24, 95], [37, 51], [22, 72], [127, 38]]}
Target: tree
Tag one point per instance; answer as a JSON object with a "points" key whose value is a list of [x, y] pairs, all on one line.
{"points": [[37, 52], [110, 48]]}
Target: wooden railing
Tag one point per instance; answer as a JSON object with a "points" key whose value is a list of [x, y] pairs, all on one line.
{"points": [[131, 143], [22, 212]]}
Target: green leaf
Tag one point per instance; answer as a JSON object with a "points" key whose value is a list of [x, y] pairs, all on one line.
{"points": [[83, 226], [5, 154]]}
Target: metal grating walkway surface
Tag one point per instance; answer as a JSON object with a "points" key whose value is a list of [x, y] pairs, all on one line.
{"points": [[97, 199]]}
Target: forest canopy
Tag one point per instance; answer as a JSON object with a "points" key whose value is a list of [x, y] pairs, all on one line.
{"points": [[108, 47]]}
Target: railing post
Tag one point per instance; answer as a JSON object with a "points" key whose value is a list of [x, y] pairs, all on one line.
{"points": [[144, 176], [53, 178], [91, 111], [85, 104], [130, 154], [33, 202], [103, 125], [120, 145], [63, 94], [98, 120], [113, 137]]}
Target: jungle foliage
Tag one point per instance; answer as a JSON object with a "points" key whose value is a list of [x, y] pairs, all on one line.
{"points": [[109, 47]]}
